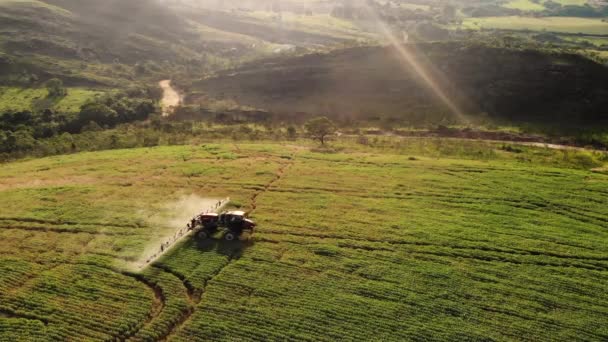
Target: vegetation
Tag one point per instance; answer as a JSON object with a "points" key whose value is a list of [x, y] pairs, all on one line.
{"points": [[21, 128], [430, 212], [471, 238], [553, 24], [379, 86], [320, 129], [33, 99], [55, 88]]}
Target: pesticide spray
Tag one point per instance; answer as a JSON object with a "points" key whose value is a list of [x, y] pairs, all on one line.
{"points": [[185, 209]]}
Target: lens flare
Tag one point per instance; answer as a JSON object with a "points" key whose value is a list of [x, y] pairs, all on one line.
{"points": [[407, 56]]}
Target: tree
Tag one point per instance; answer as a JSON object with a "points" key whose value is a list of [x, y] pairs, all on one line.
{"points": [[55, 88], [320, 128], [22, 140], [98, 113], [291, 133], [47, 115]]}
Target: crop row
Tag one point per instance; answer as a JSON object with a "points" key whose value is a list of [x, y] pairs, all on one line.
{"points": [[85, 306], [175, 305], [348, 295]]}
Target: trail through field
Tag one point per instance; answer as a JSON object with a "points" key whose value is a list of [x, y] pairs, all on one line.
{"points": [[553, 146], [171, 98], [280, 173]]}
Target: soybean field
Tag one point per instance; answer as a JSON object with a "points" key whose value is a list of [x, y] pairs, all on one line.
{"points": [[420, 240]]}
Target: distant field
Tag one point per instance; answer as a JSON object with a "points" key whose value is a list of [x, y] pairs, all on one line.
{"points": [[525, 5], [35, 3], [535, 6], [597, 41], [420, 239], [553, 24], [411, 6], [570, 2], [25, 98], [317, 23]]}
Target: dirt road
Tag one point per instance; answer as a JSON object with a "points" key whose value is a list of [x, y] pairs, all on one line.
{"points": [[496, 137], [171, 98]]}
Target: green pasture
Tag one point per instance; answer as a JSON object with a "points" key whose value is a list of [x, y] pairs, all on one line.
{"points": [[552, 24], [19, 99]]}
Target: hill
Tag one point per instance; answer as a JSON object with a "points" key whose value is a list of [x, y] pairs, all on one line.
{"points": [[409, 240], [372, 82], [113, 43]]}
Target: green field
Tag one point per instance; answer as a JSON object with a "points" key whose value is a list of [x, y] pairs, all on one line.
{"points": [[317, 23], [419, 239], [535, 6], [525, 5], [552, 24], [19, 99]]}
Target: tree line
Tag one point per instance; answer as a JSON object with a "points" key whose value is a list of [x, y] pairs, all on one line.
{"points": [[19, 130]]}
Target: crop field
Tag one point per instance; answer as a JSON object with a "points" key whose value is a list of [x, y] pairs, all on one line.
{"points": [[525, 5], [19, 99], [318, 23], [417, 239], [552, 24]]}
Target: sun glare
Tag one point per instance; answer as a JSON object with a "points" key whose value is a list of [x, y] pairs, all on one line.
{"points": [[430, 75]]}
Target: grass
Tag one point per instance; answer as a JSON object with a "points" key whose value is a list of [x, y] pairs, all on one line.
{"points": [[537, 6], [525, 5], [572, 2], [316, 23], [415, 239], [597, 41], [36, 4], [553, 24], [19, 99]]}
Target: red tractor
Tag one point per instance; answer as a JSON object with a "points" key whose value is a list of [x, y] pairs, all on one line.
{"points": [[234, 224]]}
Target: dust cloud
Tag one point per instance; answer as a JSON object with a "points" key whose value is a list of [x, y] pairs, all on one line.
{"points": [[171, 98], [173, 226], [186, 207]]}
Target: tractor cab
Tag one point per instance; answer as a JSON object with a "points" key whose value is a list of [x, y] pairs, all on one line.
{"points": [[233, 223], [232, 217]]}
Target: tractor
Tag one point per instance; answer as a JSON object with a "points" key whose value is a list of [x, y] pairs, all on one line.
{"points": [[233, 223]]}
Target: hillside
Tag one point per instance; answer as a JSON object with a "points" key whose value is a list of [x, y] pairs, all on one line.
{"points": [[371, 82], [112, 43], [417, 240]]}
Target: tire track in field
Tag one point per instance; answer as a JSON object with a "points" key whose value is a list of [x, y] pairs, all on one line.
{"points": [[157, 306], [278, 176], [194, 295], [191, 291]]}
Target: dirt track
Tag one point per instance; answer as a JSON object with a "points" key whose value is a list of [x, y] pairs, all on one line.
{"points": [[171, 98], [532, 141]]}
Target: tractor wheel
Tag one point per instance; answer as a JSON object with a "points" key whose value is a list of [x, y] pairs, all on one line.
{"points": [[229, 236], [203, 235]]}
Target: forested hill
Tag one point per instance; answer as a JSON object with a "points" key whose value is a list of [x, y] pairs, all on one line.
{"points": [[94, 30], [376, 81], [90, 42]]}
